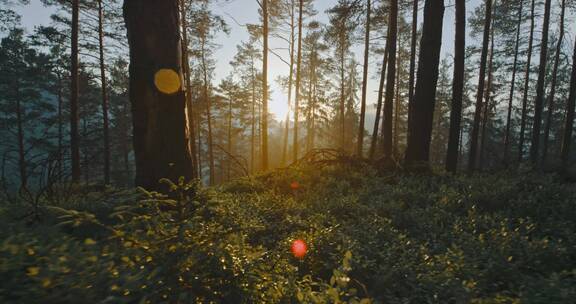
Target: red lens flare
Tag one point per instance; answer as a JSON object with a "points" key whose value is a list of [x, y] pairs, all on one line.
{"points": [[299, 249], [294, 185]]}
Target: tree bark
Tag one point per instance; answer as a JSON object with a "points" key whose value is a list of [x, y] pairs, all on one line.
{"points": [[569, 122], [512, 86], [390, 81], [526, 85], [553, 89], [105, 118], [160, 144], [479, 93], [539, 103], [457, 87], [298, 80], [74, 116], [361, 129], [419, 135]]}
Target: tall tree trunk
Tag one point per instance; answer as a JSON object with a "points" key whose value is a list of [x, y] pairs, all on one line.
{"points": [[480, 92], [86, 161], [60, 128], [253, 133], [526, 86], [290, 78], [390, 81], [553, 89], [342, 95], [397, 109], [158, 114], [539, 103], [190, 113], [419, 136], [487, 99], [374, 142], [105, 118], [361, 129], [457, 87], [569, 122], [309, 106], [264, 116], [208, 113], [21, 149], [412, 58], [74, 137], [298, 80], [229, 139], [512, 86], [198, 116]]}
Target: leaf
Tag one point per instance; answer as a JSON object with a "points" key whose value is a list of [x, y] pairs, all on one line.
{"points": [[32, 271]]}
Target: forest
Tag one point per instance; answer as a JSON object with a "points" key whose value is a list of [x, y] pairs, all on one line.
{"points": [[287, 151]]}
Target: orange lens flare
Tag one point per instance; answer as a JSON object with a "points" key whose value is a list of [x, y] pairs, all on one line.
{"points": [[167, 81]]}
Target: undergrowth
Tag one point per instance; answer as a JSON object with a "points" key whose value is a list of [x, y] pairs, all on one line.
{"points": [[372, 238]]}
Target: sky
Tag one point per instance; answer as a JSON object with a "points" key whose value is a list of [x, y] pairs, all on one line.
{"points": [[238, 12]]}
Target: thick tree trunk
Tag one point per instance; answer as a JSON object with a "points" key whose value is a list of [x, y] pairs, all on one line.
{"points": [[480, 92], [457, 87], [412, 57], [298, 80], [523, 118], [512, 86], [418, 150], [190, 113], [160, 144], [569, 122], [74, 137], [361, 129], [553, 89], [390, 81], [290, 78], [374, 142], [105, 118], [264, 116], [539, 103]]}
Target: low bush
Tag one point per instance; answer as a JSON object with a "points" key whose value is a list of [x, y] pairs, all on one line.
{"points": [[372, 238]]}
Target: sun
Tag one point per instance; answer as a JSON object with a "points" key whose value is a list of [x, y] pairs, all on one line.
{"points": [[278, 108]]}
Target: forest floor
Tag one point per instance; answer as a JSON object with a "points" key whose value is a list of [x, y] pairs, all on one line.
{"points": [[371, 238]]}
